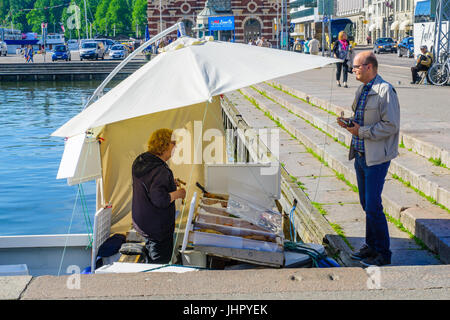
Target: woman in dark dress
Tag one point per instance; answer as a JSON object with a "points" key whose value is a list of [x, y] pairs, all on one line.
{"points": [[154, 195]]}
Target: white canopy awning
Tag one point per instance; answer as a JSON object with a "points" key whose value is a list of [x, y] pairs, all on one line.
{"points": [[372, 27], [405, 25], [394, 25], [379, 22], [190, 72]]}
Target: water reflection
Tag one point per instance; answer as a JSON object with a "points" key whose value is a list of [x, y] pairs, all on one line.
{"points": [[32, 201]]}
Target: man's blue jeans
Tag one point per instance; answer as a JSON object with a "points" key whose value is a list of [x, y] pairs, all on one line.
{"points": [[370, 184]]}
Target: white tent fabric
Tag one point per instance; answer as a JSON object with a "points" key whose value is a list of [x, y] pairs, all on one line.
{"points": [[395, 25], [405, 25], [189, 72]]}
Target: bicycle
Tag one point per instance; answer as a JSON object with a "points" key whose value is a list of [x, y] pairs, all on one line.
{"points": [[439, 73]]}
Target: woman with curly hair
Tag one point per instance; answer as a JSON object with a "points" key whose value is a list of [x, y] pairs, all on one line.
{"points": [[154, 195]]}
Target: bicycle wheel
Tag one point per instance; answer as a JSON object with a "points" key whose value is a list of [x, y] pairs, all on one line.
{"points": [[438, 74]]}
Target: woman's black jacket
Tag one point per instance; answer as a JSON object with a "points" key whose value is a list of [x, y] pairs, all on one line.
{"points": [[152, 212]]}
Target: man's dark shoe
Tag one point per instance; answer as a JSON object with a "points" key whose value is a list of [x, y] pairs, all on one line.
{"points": [[363, 253], [377, 260]]}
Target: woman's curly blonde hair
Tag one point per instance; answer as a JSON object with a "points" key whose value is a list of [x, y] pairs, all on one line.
{"points": [[341, 35], [159, 141]]}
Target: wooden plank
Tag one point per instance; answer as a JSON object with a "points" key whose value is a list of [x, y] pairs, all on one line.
{"points": [[271, 259], [130, 259]]}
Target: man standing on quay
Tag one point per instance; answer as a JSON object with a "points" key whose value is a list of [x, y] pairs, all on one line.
{"points": [[375, 129]]}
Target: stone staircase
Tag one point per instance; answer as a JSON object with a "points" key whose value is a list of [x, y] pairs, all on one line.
{"points": [[416, 193]]}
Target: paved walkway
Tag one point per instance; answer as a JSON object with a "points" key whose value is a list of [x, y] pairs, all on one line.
{"points": [[387, 283], [425, 109], [416, 194]]}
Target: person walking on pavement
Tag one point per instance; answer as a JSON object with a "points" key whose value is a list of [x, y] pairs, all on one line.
{"points": [[375, 137], [313, 46], [297, 45], [424, 62], [306, 46], [30, 54], [341, 50], [25, 53]]}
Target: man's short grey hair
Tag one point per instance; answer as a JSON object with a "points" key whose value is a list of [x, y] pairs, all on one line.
{"points": [[371, 59]]}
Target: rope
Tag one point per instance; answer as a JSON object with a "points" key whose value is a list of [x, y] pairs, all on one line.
{"points": [[87, 219], [325, 142], [291, 222], [189, 184], [80, 193], [172, 265], [68, 232], [318, 259]]}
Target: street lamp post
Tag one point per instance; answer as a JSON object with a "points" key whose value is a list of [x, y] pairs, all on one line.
{"points": [[160, 17], [85, 18]]}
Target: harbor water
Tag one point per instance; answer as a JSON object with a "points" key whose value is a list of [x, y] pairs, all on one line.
{"points": [[32, 200]]}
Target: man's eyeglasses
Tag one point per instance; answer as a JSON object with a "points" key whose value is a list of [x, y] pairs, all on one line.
{"points": [[358, 66]]}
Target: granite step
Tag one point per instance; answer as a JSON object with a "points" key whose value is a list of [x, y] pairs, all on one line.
{"points": [[421, 141], [320, 185], [417, 214], [432, 180]]}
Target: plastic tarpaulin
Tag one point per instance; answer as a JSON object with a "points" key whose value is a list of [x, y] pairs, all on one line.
{"points": [[125, 140]]}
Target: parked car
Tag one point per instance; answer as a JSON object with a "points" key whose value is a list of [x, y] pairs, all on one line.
{"points": [[73, 45], [107, 43], [61, 52], [118, 51], [3, 48], [406, 47], [92, 50], [384, 45]]}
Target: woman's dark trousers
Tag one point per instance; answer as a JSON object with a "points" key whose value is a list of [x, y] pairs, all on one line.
{"points": [[342, 67]]}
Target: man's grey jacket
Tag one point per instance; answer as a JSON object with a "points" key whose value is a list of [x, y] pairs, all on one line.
{"points": [[381, 123]]}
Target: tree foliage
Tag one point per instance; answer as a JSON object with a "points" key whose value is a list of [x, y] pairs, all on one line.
{"points": [[103, 16]]}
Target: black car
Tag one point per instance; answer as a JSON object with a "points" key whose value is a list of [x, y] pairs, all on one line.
{"points": [[384, 45]]}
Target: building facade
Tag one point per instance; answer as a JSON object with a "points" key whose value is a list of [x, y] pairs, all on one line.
{"points": [[389, 18], [252, 18], [306, 15], [353, 10]]}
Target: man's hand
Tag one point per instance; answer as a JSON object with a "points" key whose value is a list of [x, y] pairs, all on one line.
{"points": [[353, 130], [340, 122]]}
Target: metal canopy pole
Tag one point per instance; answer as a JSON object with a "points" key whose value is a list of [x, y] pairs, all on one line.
{"points": [[99, 91], [441, 46], [286, 25]]}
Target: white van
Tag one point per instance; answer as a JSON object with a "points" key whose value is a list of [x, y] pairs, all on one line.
{"points": [[92, 50]]}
